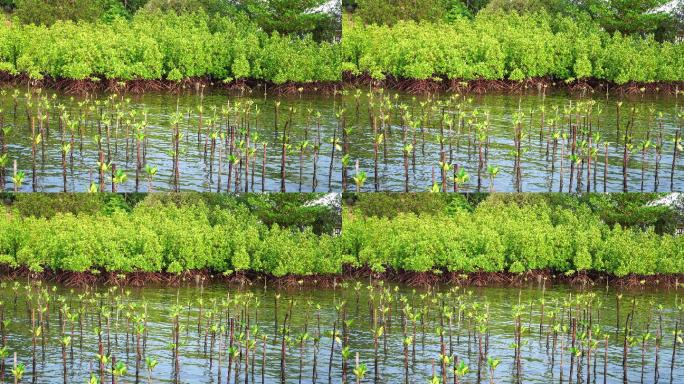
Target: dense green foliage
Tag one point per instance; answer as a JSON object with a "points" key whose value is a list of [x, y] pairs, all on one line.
{"points": [[624, 209], [504, 236], [296, 17], [284, 209], [164, 46], [49, 11], [497, 45], [160, 234], [639, 17], [391, 11], [568, 8], [631, 16], [292, 17], [391, 204], [48, 205], [211, 7], [224, 233]]}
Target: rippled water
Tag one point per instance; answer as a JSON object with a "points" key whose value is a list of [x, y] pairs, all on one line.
{"points": [[313, 121], [649, 118], [655, 118], [317, 312]]}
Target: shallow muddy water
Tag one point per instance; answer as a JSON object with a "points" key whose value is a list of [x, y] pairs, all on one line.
{"points": [[205, 314], [650, 119]]}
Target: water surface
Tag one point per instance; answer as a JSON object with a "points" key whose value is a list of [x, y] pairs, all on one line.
{"points": [[206, 123], [205, 315], [652, 119]]}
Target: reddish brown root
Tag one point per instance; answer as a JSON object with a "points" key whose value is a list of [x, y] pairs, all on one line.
{"points": [[73, 86], [581, 86], [139, 86], [362, 80], [413, 279], [76, 279], [419, 86], [581, 279], [482, 86]]}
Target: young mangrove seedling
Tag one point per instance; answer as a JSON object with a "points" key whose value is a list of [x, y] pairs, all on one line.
{"points": [[4, 354], [18, 370], [346, 160], [359, 178], [461, 178], [492, 363], [151, 171], [493, 172], [150, 363], [346, 354], [118, 370], [360, 370], [66, 147], [460, 370], [65, 341], [408, 149], [118, 178], [18, 180]]}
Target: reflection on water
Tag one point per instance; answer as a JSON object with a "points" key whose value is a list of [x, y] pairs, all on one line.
{"points": [[546, 135], [225, 141], [219, 141], [388, 326]]}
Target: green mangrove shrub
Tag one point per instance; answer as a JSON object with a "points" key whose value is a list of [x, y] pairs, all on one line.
{"points": [[155, 45], [499, 45], [177, 235], [502, 236], [157, 237]]}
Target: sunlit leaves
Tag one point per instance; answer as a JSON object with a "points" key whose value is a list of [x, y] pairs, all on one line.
{"points": [[510, 46], [164, 46]]}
